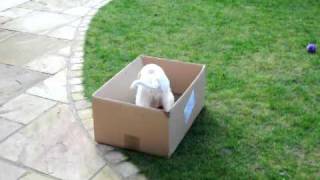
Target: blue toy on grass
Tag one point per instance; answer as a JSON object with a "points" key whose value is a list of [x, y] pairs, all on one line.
{"points": [[312, 48]]}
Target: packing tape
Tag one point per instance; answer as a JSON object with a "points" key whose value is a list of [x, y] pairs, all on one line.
{"points": [[189, 107]]}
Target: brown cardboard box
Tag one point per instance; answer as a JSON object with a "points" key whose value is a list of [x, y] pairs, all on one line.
{"points": [[119, 122]]}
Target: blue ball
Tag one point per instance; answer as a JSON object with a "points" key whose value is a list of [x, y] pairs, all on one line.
{"points": [[312, 48]]}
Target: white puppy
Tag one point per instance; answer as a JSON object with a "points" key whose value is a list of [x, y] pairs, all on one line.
{"points": [[153, 88]]}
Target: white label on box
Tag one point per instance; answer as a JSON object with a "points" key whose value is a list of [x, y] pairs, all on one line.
{"points": [[189, 107]]}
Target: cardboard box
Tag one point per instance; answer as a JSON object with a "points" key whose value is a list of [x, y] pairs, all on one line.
{"points": [[119, 122]]}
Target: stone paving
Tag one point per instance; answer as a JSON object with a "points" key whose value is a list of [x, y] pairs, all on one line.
{"points": [[46, 126]]}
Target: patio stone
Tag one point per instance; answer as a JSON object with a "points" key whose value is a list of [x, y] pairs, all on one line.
{"points": [[25, 108], [65, 32], [76, 66], [87, 123], [126, 169], [91, 133], [53, 88], [76, 88], [7, 127], [55, 144], [12, 3], [22, 48], [32, 5], [76, 73], [15, 12], [50, 64], [107, 174], [15, 80], [78, 11], [76, 80], [40, 138], [78, 54], [115, 157], [38, 22], [77, 96], [5, 34], [75, 23], [10, 172], [76, 60], [66, 51], [35, 176], [82, 104], [54, 5], [85, 114], [4, 19], [98, 3]]}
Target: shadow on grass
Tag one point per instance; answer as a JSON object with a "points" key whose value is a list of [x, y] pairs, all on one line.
{"points": [[202, 151]]}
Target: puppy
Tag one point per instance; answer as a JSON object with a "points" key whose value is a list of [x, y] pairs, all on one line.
{"points": [[153, 88]]}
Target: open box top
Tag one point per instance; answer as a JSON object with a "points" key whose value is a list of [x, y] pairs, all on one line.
{"points": [[118, 121], [118, 87]]}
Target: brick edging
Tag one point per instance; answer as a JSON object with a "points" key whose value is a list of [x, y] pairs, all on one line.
{"points": [[81, 107]]}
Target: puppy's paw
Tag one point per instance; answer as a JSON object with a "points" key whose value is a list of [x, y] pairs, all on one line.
{"points": [[168, 102]]}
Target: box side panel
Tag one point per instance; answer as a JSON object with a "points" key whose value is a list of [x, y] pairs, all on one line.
{"points": [[185, 111], [118, 87], [131, 127], [179, 73]]}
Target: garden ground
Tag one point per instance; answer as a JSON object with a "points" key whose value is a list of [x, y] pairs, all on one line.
{"points": [[262, 112]]}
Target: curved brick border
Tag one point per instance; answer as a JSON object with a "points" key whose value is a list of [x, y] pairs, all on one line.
{"points": [[82, 107]]}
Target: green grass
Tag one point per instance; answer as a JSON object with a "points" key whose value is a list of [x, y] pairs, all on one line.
{"points": [[262, 111]]}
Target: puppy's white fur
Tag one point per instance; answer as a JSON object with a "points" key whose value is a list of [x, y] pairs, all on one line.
{"points": [[153, 88]]}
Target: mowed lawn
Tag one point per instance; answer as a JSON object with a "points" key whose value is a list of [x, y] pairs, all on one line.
{"points": [[262, 111]]}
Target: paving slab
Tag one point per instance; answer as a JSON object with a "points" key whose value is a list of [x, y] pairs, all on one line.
{"points": [[15, 80], [78, 11], [4, 19], [65, 32], [66, 51], [53, 88], [25, 108], [55, 144], [15, 12], [23, 48], [75, 23], [115, 157], [78, 96], [55, 5], [35, 176], [40, 129], [11, 3], [85, 114], [76, 88], [9, 171], [38, 22], [5, 34], [107, 174], [126, 169], [50, 64], [32, 5], [76, 73], [7, 128]]}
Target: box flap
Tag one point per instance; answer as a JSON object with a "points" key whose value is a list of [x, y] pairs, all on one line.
{"points": [[181, 74], [185, 110], [118, 87]]}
